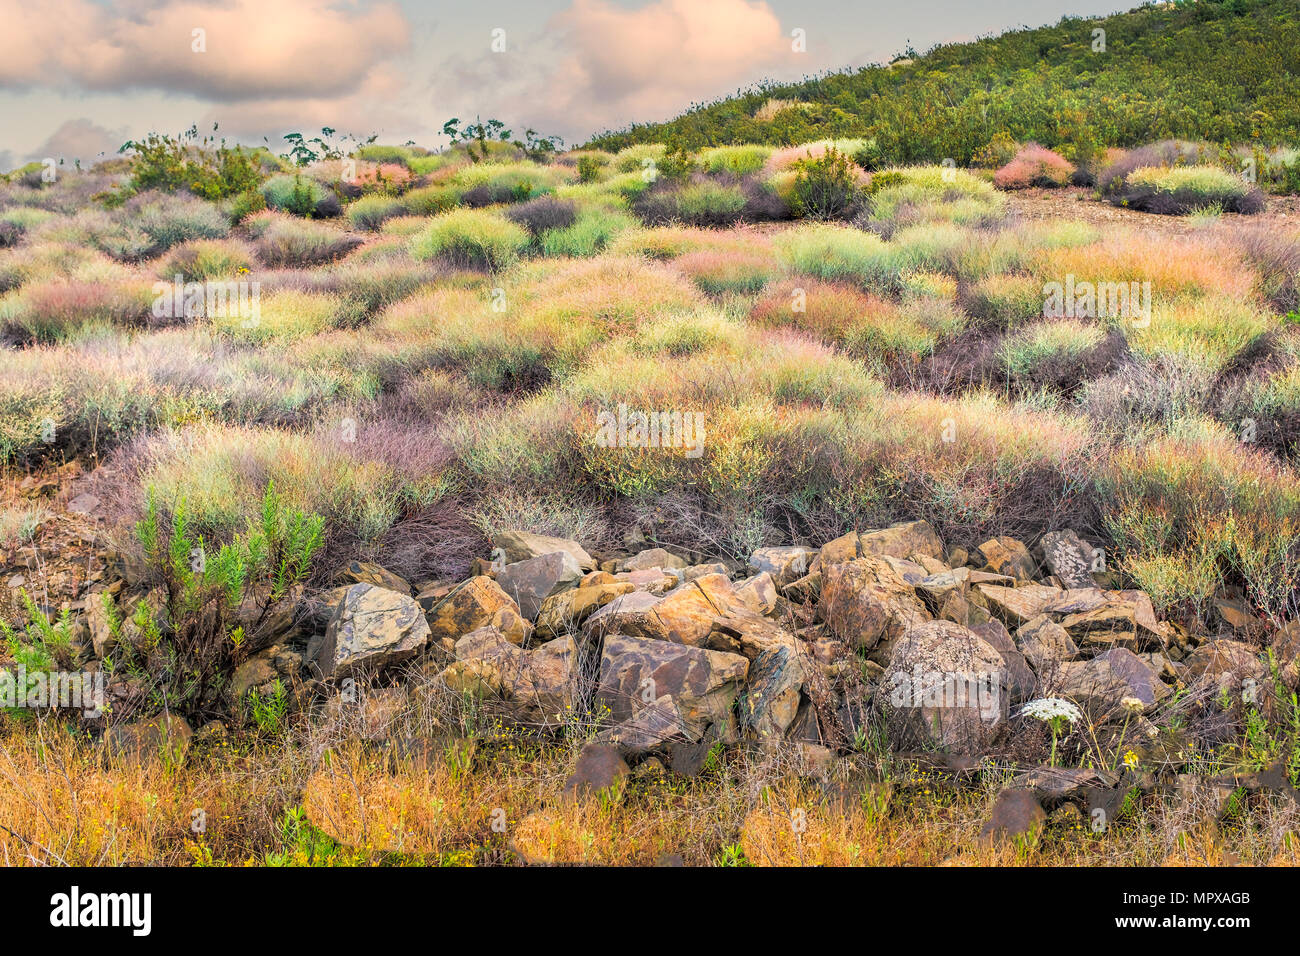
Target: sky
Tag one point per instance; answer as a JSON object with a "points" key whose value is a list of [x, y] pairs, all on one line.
{"points": [[80, 77]]}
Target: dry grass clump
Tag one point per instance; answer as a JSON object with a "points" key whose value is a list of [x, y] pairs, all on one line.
{"points": [[52, 312], [207, 259], [1034, 165], [285, 241]]}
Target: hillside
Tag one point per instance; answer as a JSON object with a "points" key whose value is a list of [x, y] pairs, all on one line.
{"points": [[1222, 70]]}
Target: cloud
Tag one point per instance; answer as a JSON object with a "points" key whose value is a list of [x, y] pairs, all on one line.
{"points": [[598, 64], [251, 48], [80, 139]]}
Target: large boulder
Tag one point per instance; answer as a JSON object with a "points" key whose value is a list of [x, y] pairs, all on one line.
{"points": [[635, 672], [945, 686], [372, 628], [531, 581], [565, 612], [534, 688], [905, 540], [478, 602], [865, 601], [520, 546], [1008, 556], [651, 558], [770, 701], [1070, 558]]}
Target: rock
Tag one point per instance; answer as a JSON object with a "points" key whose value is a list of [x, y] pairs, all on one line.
{"points": [[1055, 783], [102, 638], [165, 737], [704, 684], [1286, 650], [372, 628], [770, 701], [83, 504], [314, 611], [531, 581], [565, 612], [1015, 606], [960, 609], [520, 546], [1109, 626], [534, 688], [843, 549], [1020, 680], [16, 581], [864, 601], [1077, 601], [651, 558], [758, 593], [1070, 558], [936, 587], [945, 685], [1045, 643], [1016, 812], [361, 572], [696, 571], [744, 632], [1100, 685], [254, 673], [1228, 665], [1236, 614], [626, 614], [783, 565], [1008, 556], [902, 541], [478, 602], [648, 729], [265, 621], [600, 766]]}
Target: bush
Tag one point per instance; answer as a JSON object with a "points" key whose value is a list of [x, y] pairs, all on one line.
{"points": [[211, 611], [294, 243], [705, 203], [735, 160], [1180, 190], [174, 163], [430, 200], [1034, 165], [171, 220], [825, 188], [589, 234], [836, 252], [300, 195], [541, 215], [718, 272], [471, 237], [369, 212], [206, 259]]}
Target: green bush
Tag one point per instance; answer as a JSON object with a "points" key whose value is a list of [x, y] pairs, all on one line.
{"points": [[471, 237], [296, 194], [590, 234], [369, 212], [824, 187]]}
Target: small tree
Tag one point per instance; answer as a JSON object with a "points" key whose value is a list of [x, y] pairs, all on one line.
{"points": [[825, 188]]}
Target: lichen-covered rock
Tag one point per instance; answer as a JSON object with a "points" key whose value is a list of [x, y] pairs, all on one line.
{"points": [[770, 701], [635, 672], [520, 546], [945, 686], [372, 628], [865, 600], [1070, 558], [530, 582], [535, 688], [1103, 684], [478, 602]]}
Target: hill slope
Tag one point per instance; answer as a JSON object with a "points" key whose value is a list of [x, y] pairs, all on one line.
{"points": [[1222, 70]]}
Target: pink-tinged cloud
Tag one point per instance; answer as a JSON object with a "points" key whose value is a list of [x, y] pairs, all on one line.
{"points": [[598, 64], [251, 48]]}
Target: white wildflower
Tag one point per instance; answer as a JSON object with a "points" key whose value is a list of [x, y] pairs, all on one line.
{"points": [[1051, 709]]}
